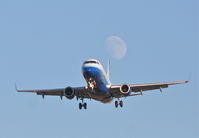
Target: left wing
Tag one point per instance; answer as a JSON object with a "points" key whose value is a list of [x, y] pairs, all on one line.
{"points": [[115, 89], [153, 86]]}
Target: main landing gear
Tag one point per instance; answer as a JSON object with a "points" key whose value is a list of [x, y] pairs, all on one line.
{"points": [[82, 105], [118, 103]]}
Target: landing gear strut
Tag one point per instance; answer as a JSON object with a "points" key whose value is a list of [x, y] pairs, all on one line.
{"points": [[118, 103]]}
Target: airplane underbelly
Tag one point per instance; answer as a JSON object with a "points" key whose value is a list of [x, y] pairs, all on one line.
{"points": [[102, 97]]}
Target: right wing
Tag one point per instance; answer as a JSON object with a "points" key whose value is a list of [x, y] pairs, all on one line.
{"points": [[78, 91], [55, 92]]}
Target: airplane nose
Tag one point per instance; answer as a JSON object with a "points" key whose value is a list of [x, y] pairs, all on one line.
{"points": [[85, 69], [85, 72]]}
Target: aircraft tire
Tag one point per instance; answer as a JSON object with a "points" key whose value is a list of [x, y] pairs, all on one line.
{"points": [[116, 104], [80, 106], [85, 106], [121, 103]]}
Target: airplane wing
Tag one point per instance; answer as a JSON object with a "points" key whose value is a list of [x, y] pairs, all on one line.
{"points": [[153, 86], [78, 91], [115, 89], [56, 92]]}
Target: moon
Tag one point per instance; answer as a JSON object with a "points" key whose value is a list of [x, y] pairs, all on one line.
{"points": [[116, 47]]}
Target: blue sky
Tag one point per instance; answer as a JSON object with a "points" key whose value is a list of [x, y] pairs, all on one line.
{"points": [[43, 44]]}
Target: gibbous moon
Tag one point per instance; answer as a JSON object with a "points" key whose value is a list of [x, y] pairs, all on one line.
{"points": [[116, 47]]}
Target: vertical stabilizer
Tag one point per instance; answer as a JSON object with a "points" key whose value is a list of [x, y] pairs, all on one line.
{"points": [[108, 70]]}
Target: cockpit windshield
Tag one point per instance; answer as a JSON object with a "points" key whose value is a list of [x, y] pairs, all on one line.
{"points": [[91, 62]]}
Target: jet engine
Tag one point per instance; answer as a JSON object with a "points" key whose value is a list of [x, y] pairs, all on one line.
{"points": [[124, 89], [69, 93]]}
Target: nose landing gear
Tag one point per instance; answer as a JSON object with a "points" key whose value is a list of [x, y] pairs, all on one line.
{"points": [[91, 84]]}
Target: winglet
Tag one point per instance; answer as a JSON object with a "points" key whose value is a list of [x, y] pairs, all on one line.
{"points": [[189, 78], [108, 70], [16, 87]]}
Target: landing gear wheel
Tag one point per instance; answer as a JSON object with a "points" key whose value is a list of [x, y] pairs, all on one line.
{"points": [[80, 106], [121, 103], [85, 106], [116, 104]]}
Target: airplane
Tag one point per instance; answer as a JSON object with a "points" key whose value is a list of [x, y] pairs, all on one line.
{"points": [[99, 87]]}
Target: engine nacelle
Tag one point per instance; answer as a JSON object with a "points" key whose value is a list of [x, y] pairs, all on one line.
{"points": [[69, 93], [125, 89]]}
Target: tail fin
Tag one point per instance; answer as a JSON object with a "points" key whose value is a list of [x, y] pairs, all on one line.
{"points": [[16, 87], [190, 76], [108, 70]]}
